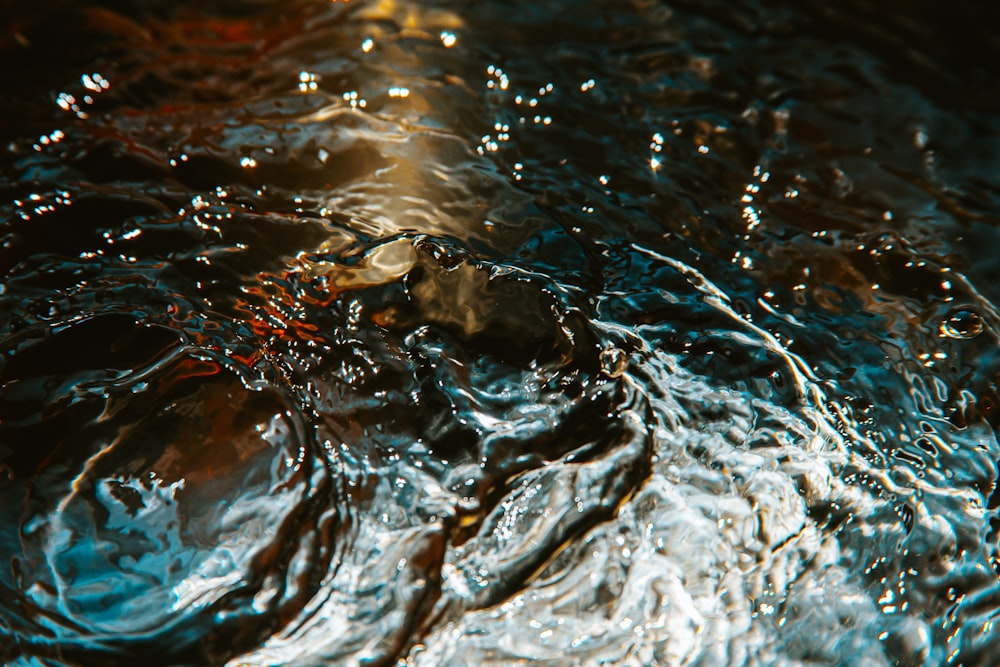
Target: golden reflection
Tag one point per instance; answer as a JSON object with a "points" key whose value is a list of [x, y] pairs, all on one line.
{"points": [[380, 265], [410, 17]]}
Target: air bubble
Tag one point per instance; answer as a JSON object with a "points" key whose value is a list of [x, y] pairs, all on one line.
{"points": [[961, 324], [614, 362]]}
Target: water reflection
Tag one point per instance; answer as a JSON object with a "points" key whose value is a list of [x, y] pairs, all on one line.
{"points": [[639, 333]]}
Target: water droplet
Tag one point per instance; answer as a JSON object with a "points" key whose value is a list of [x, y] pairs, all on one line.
{"points": [[961, 324], [613, 362]]}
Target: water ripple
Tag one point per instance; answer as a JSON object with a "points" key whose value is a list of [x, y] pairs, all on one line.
{"points": [[424, 333]]}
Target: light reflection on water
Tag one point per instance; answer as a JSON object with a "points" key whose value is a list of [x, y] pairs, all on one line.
{"points": [[434, 333]]}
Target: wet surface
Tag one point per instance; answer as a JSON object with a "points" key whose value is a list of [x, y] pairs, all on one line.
{"points": [[432, 333]]}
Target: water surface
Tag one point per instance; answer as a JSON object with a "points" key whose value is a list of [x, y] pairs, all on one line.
{"points": [[429, 332]]}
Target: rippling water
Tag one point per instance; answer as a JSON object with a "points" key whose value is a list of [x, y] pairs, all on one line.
{"points": [[440, 333]]}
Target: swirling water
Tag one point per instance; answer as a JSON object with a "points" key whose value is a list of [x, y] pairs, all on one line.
{"points": [[438, 333]]}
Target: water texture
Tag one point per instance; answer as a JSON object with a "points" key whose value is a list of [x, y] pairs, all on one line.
{"points": [[444, 333]]}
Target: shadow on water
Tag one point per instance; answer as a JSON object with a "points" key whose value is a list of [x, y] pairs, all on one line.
{"points": [[399, 332]]}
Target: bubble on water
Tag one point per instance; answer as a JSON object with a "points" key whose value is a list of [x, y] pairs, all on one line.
{"points": [[961, 324], [614, 362]]}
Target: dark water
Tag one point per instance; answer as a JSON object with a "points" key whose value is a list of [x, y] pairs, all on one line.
{"points": [[443, 333]]}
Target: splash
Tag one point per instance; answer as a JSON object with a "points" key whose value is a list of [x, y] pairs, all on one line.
{"points": [[428, 333]]}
